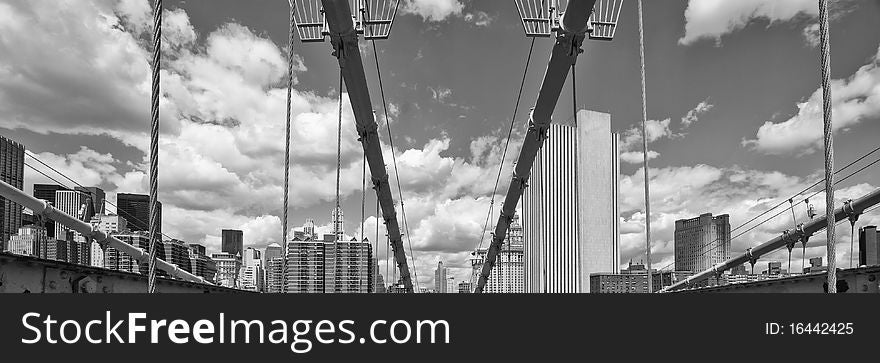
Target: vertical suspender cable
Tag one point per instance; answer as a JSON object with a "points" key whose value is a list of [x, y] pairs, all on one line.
{"points": [[645, 152], [363, 214], [154, 147], [336, 230], [829, 143], [287, 139]]}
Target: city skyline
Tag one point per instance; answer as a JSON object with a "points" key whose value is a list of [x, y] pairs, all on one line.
{"points": [[717, 142]]}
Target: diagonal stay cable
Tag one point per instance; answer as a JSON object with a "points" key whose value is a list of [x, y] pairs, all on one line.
{"points": [[507, 142], [394, 159]]}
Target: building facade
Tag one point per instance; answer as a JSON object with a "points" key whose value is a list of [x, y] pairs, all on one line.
{"points": [[633, 280], [12, 173], [135, 208], [27, 241], [108, 224], [869, 248], [201, 264], [508, 274], [570, 209], [47, 192], [253, 272], [304, 272], [232, 241], [353, 272], [440, 278], [120, 261], [177, 253], [701, 242], [228, 269], [308, 265], [274, 261]]}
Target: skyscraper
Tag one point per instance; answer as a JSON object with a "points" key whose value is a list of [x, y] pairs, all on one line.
{"points": [[328, 265], [253, 271], [201, 264], [378, 281], [96, 195], [440, 278], [135, 208], [228, 267], [869, 248], [232, 241], [47, 192], [507, 274], [177, 253], [353, 266], [73, 202], [570, 210], [109, 224], [274, 260], [337, 216], [309, 229], [12, 173], [28, 241], [701, 242], [305, 266]]}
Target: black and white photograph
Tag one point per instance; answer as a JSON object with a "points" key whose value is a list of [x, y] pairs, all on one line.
{"points": [[214, 175]]}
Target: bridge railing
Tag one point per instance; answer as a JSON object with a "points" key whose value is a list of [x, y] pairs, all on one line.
{"points": [[43, 208], [800, 234]]}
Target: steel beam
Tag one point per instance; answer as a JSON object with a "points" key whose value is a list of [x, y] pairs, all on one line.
{"points": [[862, 280], [25, 274], [793, 235], [563, 56], [41, 207], [344, 38]]}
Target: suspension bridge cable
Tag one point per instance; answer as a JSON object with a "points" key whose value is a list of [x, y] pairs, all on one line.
{"points": [[284, 210], [783, 211], [645, 148], [828, 141], [507, 142], [154, 147], [128, 216], [46, 175], [863, 168], [847, 166], [394, 159], [337, 210]]}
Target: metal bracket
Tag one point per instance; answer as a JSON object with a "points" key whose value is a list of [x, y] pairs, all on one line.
{"points": [[540, 130], [851, 213]]}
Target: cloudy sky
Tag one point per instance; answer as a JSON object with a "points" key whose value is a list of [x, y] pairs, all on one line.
{"points": [[732, 94]]}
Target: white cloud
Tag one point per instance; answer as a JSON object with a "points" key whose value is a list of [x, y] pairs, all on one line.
{"points": [[855, 99], [811, 34], [433, 10], [631, 139], [686, 192], [637, 157], [694, 114], [479, 18], [711, 19]]}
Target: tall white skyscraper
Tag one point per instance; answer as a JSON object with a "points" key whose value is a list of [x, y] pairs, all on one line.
{"points": [[109, 224], [253, 271], [73, 202], [570, 211], [440, 278], [451, 285], [70, 202], [337, 216]]}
